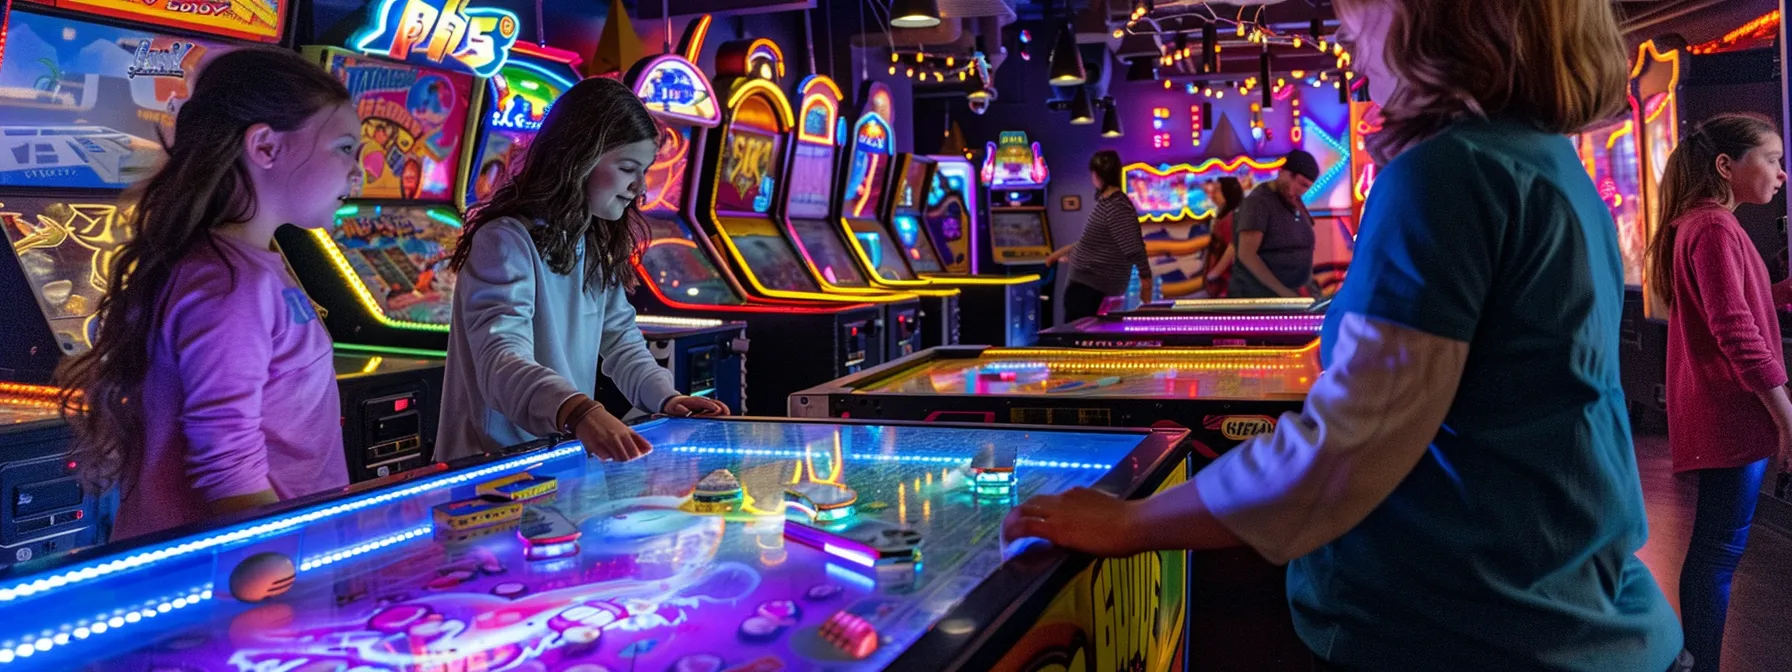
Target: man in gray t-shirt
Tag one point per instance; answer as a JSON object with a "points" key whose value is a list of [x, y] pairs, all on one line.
{"points": [[1275, 233]]}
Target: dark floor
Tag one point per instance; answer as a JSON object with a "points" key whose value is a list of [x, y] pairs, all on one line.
{"points": [[1759, 635]]}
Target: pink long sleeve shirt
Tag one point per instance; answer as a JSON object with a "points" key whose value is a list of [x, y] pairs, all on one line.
{"points": [[241, 392], [1723, 345]]}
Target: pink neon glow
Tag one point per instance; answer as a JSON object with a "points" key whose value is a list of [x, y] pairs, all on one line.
{"points": [[1211, 324]]}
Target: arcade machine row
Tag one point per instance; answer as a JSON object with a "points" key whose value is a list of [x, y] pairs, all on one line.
{"points": [[881, 211], [1019, 232], [797, 342], [739, 544], [391, 290], [744, 170], [86, 89], [805, 210]]}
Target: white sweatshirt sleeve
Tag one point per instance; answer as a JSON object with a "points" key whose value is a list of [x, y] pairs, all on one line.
{"points": [[1368, 420], [625, 359], [498, 318]]}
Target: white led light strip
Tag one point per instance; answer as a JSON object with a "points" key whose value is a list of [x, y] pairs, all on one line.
{"points": [[97, 568], [16, 650], [332, 557], [661, 321]]}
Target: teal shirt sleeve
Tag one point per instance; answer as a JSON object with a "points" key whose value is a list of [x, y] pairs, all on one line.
{"points": [[1431, 232]]}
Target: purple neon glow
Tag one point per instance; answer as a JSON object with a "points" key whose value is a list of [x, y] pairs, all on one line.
{"points": [[1242, 325]]}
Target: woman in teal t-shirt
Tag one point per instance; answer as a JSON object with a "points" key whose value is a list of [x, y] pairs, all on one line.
{"points": [[1460, 490]]}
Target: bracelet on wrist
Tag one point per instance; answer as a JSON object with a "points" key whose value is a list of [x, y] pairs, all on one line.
{"points": [[578, 414]]}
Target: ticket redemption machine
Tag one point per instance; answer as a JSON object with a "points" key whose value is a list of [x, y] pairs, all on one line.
{"points": [[1020, 234], [793, 340], [745, 166]]}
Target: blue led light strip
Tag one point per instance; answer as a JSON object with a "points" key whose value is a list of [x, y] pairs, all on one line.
{"points": [[16, 650], [97, 568], [332, 557]]}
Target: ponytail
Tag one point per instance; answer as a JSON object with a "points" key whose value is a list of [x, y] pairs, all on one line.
{"points": [[1691, 178]]}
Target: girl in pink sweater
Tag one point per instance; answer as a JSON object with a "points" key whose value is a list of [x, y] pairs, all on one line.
{"points": [[209, 389], [1725, 366]]}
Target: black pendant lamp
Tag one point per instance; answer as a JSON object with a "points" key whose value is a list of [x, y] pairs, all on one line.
{"points": [[914, 13], [1067, 60], [1110, 120], [1082, 110]]}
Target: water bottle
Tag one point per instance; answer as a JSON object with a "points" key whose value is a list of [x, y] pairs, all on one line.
{"points": [[1132, 290]]}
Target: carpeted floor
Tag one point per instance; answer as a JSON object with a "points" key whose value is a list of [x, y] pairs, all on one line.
{"points": [[1759, 634]]}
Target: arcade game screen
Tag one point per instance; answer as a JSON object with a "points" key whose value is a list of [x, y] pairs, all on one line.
{"points": [[1612, 159], [1017, 228], [821, 240], [948, 215], [400, 255], [65, 247], [412, 123], [83, 104], [673, 259], [517, 100], [1209, 373], [745, 186], [735, 545], [811, 168], [863, 197], [911, 196]]}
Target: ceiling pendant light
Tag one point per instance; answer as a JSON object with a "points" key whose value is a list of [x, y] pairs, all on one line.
{"points": [[914, 13], [1082, 110], [1067, 61], [1110, 120]]}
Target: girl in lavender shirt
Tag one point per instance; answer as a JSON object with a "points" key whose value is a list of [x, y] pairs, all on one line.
{"points": [[209, 388], [541, 296]]}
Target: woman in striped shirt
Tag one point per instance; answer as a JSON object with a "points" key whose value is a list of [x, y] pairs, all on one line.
{"points": [[1111, 245]]}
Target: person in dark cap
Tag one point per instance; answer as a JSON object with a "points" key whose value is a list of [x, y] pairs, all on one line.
{"points": [[1275, 233]]}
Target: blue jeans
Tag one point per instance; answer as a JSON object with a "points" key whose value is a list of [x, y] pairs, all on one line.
{"points": [[1726, 506]]}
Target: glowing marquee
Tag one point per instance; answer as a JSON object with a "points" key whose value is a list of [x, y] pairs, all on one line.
{"points": [[674, 89], [441, 33], [1013, 163], [259, 20]]}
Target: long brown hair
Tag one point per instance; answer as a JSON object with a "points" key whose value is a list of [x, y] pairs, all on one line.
{"points": [[593, 117], [1691, 178], [202, 184], [1558, 64]]}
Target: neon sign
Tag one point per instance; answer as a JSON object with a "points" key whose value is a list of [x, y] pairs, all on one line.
{"points": [[259, 20], [1167, 192], [441, 33]]}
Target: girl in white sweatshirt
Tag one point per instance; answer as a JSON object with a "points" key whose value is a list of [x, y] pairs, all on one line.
{"points": [[541, 295]]}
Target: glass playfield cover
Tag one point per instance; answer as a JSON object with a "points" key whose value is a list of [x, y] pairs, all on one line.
{"points": [[666, 563]]}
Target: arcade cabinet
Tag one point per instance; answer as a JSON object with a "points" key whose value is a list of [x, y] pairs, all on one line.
{"points": [[795, 342], [808, 197], [951, 220], [1020, 235], [880, 212], [744, 170]]}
